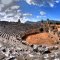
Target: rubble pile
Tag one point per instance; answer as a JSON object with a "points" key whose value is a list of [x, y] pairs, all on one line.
{"points": [[8, 52]]}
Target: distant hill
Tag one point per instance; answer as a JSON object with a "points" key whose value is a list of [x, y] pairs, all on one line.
{"points": [[38, 22], [56, 22], [29, 22]]}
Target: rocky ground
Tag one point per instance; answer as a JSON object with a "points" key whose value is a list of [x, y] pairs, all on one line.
{"points": [[25, 52], [13, 47]]}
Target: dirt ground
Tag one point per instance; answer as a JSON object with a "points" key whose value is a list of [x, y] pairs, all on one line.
{"points": [[42, 38]]}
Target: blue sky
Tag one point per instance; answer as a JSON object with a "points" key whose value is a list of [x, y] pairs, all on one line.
{"points": [[29, 10], [51, 12]]}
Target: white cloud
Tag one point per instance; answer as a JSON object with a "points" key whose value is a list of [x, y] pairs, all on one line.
{"points": [[9, 10], [38, 16], [42, 13], [15, 7], [18, 10], [11, 14], [27, 14], [2, 13], [6, 2], [50, 3], [24, 19], [11, 19], [1, 6], [29, 1], [57, 1]]}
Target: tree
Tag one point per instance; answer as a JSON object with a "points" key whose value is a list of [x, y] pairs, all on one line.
{"points": [[42, 21], [48, 21], [19, 21]]}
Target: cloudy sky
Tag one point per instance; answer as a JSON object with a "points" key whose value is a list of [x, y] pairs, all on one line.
{"points": [[29, 10]]}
